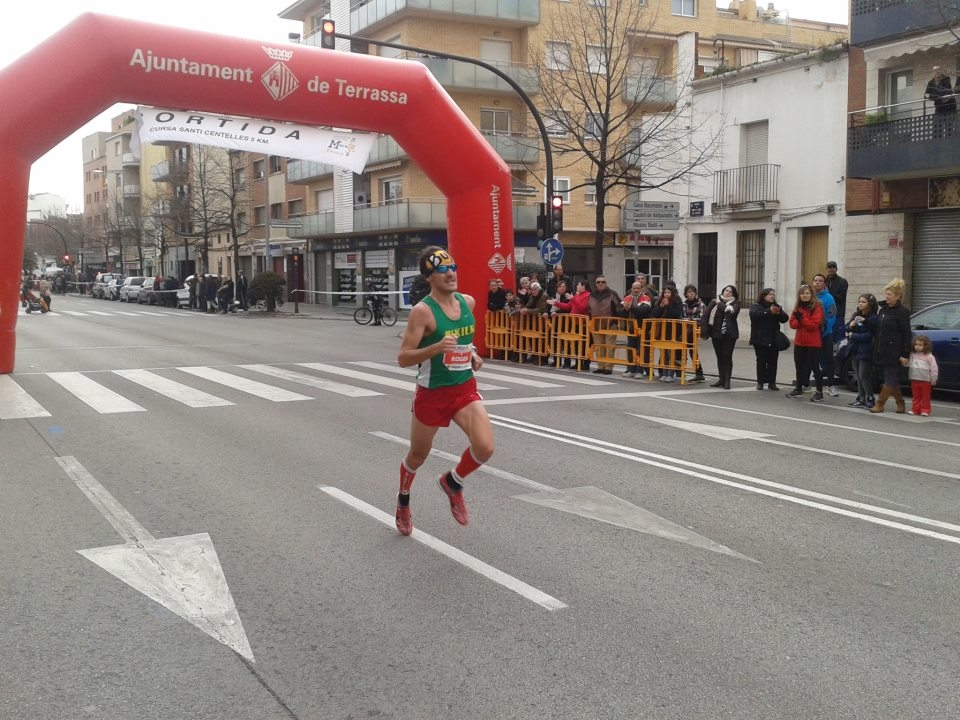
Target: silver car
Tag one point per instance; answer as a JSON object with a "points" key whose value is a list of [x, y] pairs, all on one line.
{"points": [[130, 290]]}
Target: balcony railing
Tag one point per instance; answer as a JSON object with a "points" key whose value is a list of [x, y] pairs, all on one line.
{"points": [[165, 171], [902, 141], [385, 149], [874, 20], [749, 188], [515, 148], [467, 76], [400, 215], [366, 13], [649, 91], [131, 190], [128, 159]]}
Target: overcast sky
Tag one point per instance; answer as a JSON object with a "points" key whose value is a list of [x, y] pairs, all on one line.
{"points": [[28, 23]]}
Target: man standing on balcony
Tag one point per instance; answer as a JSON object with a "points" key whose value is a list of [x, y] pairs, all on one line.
{"points": [[944, 103]]}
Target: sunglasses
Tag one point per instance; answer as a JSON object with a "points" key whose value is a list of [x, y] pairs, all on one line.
{"points": [[601, 282], [452, 267]]}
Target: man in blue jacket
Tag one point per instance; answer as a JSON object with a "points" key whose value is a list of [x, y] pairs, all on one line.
{"points": [[826, 333]]}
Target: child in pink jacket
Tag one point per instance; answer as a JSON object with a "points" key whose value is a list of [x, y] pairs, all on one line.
{"points": [[923, 375]]}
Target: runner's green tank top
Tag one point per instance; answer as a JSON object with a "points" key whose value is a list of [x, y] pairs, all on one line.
{"points": [[452, 368]]}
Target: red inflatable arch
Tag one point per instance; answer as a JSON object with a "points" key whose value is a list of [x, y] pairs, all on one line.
{"points": [[98, 61]]}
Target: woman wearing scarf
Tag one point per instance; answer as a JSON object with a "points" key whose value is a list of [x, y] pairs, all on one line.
{"points": [[891, 344], [720, 325]]}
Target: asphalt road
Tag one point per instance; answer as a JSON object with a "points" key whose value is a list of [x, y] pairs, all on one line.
{"points": [[197, 523]]}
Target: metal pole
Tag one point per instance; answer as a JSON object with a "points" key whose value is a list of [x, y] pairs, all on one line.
{"points": [[548, 154], [266, 208]]}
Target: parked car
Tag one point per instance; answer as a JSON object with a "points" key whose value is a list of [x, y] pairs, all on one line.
{"points": [[183, 294], [98, 290], [941, 323], [130, 289], [147, 294], [112, 290]]}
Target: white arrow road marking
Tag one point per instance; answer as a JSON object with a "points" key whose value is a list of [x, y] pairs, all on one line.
{"points": [[15, 403], [679, 466], [597, 504], [851, 428], [734, 434], [478, 566], [181, 573], [593, 503]]}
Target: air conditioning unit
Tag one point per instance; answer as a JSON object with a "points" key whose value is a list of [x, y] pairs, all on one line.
{"points": [[361, 198]]}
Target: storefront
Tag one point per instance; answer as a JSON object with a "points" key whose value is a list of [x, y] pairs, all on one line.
{"points": [[936, 258]]}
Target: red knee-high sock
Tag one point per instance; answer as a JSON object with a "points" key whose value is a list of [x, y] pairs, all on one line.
{"points": [[468, 463], [406, 478]]}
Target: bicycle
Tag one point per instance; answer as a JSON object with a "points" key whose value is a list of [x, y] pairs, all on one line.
{"points": [[364, 315]]}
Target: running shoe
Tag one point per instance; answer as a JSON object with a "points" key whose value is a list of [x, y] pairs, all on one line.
{"points": [[832, 391], [794, 393], [457, 506], [924, 414], [817, 397], [404, 521], [856, 404]]}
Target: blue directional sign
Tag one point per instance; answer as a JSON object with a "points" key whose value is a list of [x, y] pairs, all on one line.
{"points": [[551, 252]]}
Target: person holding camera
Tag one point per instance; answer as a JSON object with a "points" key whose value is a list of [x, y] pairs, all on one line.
{"points": [[860, 332], [766, 317]]}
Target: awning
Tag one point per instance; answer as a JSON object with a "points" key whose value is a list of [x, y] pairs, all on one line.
{"points": [[917, 45]]}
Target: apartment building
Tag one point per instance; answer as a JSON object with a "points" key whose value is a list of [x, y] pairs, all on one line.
{"points": [[770, 214], [373, 224], [903, 158]]}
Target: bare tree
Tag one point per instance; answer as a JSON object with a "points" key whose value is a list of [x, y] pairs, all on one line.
{"points": [[617, 111]]}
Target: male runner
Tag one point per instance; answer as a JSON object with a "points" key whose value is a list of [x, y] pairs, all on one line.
{"points": [[439, 339]]}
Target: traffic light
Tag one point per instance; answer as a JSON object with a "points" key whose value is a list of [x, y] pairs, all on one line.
{"points": [[556, 213], [328, 30], [296, 257], [66, 259], [542, 225]]}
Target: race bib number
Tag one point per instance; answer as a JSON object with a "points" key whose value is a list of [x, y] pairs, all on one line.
{"points": [[458, 359]]}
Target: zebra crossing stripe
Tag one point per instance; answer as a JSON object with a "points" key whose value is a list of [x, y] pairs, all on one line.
{"points": [[412, 372], [128, 314], [102, 399], [312, 381], [74, 312], [98, 312], [15, 403], [251, 387], [184, 394], [572, 379], [154, 314], [357, 375]]}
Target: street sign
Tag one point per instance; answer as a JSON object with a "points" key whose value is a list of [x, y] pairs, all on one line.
{"points": [[551, 252], [642, 216], [696, 209]]}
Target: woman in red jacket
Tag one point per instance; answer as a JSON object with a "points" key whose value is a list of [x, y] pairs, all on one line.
{"points": [[807, 319]]}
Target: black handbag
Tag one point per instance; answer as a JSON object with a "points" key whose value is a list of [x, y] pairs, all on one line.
{"points": [[782, 341]]}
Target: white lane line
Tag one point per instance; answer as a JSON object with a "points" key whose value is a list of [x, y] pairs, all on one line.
{"points": [[184, 394], [251, 387], [102, 399], [312, 381], [412, 372], [573, 378], [154, 314], [74, 312], [852, 428], [610, 396], [98, 312], [486, 469], [16, 403], [679, 466], [478, 566], [357, 375], [128, 314], [117, 515]]}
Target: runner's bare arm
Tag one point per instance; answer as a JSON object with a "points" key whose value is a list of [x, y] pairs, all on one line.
{"points": [[419, 323]]}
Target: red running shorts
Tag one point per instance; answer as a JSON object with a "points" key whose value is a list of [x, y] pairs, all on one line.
{"points": [[436, 407]]}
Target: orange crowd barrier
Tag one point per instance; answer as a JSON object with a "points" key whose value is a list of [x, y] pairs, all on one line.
{"points": [[570, 339], [605, 345], [670, 344]]}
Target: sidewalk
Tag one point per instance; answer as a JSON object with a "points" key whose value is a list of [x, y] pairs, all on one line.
{"points": [[744, 359]]}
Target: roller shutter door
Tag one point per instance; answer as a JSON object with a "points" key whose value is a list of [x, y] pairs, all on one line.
{"points": [[936, 259]]}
